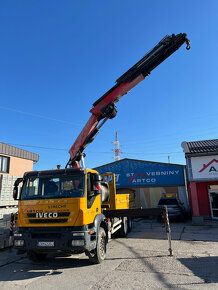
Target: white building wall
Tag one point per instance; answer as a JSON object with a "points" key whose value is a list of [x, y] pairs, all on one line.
{"points": [[183, 197]]}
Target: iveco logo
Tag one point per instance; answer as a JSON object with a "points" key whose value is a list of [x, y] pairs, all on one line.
{"points": [[46, 215]]}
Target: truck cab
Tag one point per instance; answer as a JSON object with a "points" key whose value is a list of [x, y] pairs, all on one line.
{"points": [[59, 210]]}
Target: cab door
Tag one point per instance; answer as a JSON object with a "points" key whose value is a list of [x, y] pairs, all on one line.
{"points": [[93, 199]]}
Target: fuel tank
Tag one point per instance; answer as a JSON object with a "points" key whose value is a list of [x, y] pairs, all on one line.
{"points": [[105, 191]]}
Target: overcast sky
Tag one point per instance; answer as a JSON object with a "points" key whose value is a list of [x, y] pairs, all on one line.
{"points": [[58, 57]]}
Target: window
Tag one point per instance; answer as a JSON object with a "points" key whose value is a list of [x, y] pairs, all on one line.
{"points": [[4, 164]]}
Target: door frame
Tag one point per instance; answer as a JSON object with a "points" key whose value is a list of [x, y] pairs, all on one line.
{"points": [[210, 202]]}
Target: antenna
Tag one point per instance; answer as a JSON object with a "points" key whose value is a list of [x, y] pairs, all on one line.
{"points": [[117, 148]]}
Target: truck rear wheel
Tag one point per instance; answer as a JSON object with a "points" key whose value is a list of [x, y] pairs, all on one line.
{"points": [[129, 224], [122, 233], [36, 257], [97, 255]]}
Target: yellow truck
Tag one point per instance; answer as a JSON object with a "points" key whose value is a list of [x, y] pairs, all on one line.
{"points": [[75, 210], [63, 210]]}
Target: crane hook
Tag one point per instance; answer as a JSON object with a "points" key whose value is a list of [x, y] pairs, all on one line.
{"points": [[188, 44]]}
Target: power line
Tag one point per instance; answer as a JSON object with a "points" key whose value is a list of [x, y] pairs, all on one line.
{"points": [[39, 147], [39, 116], [101, 152]]}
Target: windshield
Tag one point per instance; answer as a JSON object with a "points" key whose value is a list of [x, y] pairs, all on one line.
{"points": [[53, 187]]}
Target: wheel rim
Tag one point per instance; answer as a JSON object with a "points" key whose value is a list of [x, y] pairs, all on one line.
{"points": [[125, 225]]}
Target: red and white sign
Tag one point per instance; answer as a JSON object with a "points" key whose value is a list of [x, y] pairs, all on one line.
{"points": [[205, 167]]}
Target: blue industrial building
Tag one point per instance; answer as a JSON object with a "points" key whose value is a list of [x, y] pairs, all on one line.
{"points": [[149, 180]]}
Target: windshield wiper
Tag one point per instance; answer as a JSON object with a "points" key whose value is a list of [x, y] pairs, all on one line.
{"points": [[31, 197]]}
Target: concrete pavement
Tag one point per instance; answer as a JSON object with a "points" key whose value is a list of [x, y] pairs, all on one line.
{"points": [[145, 229], [140, 261]]}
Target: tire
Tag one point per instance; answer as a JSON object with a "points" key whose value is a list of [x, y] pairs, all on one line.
{"points": [[129, 224], [36, 257], [122, 233], [97, 255]]}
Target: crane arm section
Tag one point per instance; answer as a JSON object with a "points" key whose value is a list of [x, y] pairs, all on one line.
{"points": [[104, 108]]}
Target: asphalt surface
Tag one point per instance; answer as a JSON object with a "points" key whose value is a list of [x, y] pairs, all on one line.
{"points": [[140, 261]]}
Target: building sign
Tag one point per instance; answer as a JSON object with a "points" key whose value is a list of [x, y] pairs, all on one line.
{"points": [[138, 173], [205, 167]]}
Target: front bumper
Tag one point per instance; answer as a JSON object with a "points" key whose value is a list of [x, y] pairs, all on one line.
{"points": [[55, 239], [174, 213]]}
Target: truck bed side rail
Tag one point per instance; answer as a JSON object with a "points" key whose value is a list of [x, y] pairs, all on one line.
{"points": [[135, 212], [144, 212]]}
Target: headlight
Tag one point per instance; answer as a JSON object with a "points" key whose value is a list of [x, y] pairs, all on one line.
{"points": [[78, 234], [19, 243], [78, 243]]}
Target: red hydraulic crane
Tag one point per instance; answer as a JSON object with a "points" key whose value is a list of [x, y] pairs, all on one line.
{"points": [[104, 108]]}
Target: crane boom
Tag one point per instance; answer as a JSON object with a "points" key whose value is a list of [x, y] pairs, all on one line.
{"points": [[104, 108]]}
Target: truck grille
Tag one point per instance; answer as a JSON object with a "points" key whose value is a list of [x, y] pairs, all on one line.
{"points": [[46, 235], [47, 221], [60, 214]]}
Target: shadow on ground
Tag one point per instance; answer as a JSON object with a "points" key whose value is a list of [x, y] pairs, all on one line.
{"points": [[203, 267], [25, 269]]}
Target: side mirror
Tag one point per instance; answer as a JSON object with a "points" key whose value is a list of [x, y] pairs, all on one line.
{"points": [[96, 183], [15, 193], [15, 190]]}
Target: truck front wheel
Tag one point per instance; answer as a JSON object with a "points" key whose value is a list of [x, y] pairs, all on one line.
{"points": [[36, 257], [97, 255]]}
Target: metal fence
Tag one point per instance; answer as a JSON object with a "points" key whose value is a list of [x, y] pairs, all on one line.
{"points": [[5, 237]]}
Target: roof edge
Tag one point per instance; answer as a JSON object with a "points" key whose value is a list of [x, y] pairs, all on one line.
{"points": [[13, 151], [145, 161]]}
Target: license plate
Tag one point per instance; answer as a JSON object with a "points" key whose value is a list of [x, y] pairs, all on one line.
{"points": [[45, 244]]}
